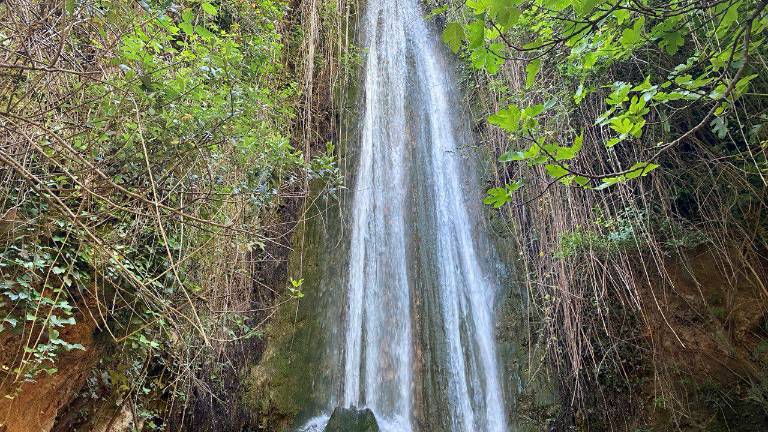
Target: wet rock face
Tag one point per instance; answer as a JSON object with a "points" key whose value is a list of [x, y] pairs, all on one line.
{"points": [[352, 420]]}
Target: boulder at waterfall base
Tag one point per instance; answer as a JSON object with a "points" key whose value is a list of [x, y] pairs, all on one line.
{"points": [[352, 420]]}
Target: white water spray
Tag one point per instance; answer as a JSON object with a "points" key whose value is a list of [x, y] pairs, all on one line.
{"points": [[407, 135]]}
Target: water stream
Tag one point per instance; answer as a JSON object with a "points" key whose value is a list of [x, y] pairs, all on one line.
{"points": [[418, 324]]}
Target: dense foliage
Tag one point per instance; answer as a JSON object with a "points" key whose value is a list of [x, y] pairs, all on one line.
{"points": [[145, 147], [631, 141], [684, 54]]}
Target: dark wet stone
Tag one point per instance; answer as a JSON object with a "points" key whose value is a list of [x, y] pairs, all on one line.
{"points": [[352, 420]]}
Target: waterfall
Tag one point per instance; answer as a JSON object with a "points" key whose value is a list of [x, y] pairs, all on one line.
{"points": [[412, 229]]}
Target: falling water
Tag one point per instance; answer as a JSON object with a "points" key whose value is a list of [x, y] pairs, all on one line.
{"points": [[412, 230]]}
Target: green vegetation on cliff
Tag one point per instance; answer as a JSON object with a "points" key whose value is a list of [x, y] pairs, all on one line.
{"points": [[146, 160], [631, 146]]}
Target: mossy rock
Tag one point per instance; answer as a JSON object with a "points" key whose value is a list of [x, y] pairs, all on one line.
{"points": [[352, 420]]}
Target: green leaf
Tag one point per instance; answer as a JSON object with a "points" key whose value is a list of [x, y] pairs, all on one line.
{"points": [[479, 7], [531, 70], [558, 5], [728, 19], [437, 11], [504, 12], [671, 42], [499, 196], [512, 156], [578, 142], [608, 182], [720, 127], [516, 156], [742, 85], [556, 171], [187, 28], [718, 92], [487, 59], [534, 110], [581, 180], [590, 59], [568, 153], [583, 8], [643, 86], [622, 126], [453, 35], [203, 32], [621, 15], [620, 93], [669, 34], [625, 126], [633, 36], [187, 15], [209, 8], [513, 187], [640, 169], [475, 34], [58, 270], [581, 93], [507, 119], [613, 141], [58, 322], [637, 106]]}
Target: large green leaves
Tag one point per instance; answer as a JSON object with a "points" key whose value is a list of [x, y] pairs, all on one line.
{"points": [[640, 169], [488, 58], [453, 36], [515, 120], [578, 40], [499, 196], [531, 71], [633, 36], [504, 12], [507, 119], [584, 8]]}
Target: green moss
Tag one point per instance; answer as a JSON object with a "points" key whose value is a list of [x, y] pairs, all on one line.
{"points": [[279, 386]]}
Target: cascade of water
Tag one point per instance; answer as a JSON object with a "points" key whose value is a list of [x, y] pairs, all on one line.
{"points": [[407, 133], [378, 292]]}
